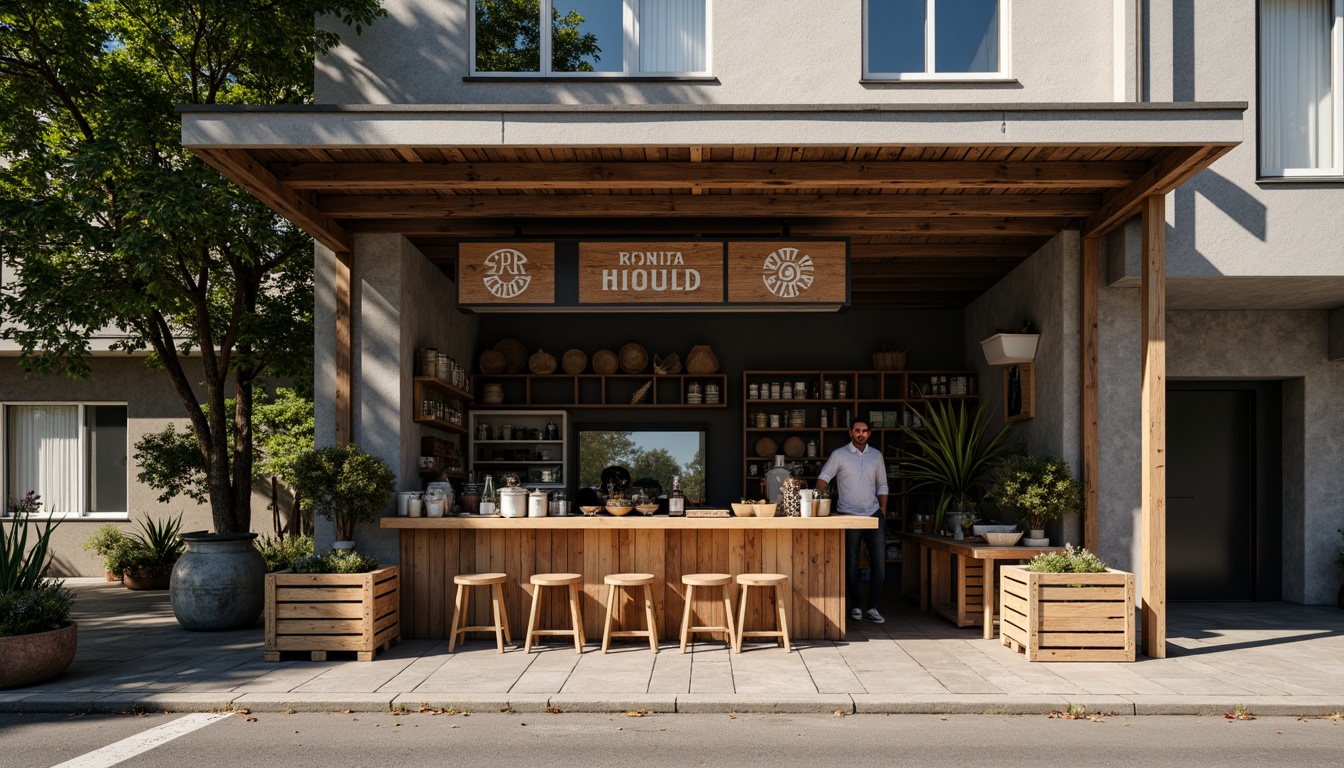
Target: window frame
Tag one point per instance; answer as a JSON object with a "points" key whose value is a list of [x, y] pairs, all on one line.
{"points": [[81, 413], [1003, 72], [629, 49], [1336, 170]]}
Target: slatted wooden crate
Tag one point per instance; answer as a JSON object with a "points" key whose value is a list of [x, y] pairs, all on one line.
{"points": [[1046, 616], [321, 612]]}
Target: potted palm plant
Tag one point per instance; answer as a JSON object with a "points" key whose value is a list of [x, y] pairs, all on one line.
{"points": [[1039, 489], [346, 485], [37, 637], [953, 455]]}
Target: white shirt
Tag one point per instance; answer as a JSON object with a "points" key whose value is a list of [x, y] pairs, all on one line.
{"points": [[861, 476]]}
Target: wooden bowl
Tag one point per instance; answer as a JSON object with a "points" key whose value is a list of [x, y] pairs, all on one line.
{"points": [[515, 354], [590, 510], [619, 511], [604, 362], [794, 447], [634, 358], [766, 510], [744, 510], [647, 509], [766, 448], [574, 361], [492, 361]]}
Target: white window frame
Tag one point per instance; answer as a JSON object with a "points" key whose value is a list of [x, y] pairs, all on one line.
{"points": [[1336, 170], [929, 75], [6, 493], [630, 48]]}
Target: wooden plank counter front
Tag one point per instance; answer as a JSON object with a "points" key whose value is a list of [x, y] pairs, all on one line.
{"points": [[810, 550]]}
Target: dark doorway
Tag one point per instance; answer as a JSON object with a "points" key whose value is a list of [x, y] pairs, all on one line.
{"points": [[1224, 459]]}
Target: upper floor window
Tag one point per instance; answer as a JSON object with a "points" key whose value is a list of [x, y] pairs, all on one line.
{"points": [[1300, 87], [590, 38], [72, 455], [935, 39]]}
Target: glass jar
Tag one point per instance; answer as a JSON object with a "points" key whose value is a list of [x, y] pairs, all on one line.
{"points": [[753, 392]]}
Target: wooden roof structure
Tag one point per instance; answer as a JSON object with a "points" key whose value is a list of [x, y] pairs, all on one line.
{"points": [[931, 226]]}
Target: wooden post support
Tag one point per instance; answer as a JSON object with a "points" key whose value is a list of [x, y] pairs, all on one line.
{"points": [[1154, 439], [1090, 371], [344, 352]]}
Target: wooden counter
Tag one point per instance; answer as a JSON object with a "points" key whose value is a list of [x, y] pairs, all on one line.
{"points": [[810, 550]]}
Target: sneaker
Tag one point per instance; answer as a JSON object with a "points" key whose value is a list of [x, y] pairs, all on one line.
{"points": [[855, 614], [874, 616]]}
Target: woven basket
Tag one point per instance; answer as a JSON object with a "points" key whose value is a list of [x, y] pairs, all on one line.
{"points": [[574, 361], [604, 362]]}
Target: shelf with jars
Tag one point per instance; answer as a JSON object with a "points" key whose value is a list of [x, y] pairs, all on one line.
{"points": [[639, 390], [805, 416], [533, 445]]}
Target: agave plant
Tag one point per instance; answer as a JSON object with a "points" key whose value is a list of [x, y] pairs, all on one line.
{"points": [[157, 545], [21, 567], [953, 454]]}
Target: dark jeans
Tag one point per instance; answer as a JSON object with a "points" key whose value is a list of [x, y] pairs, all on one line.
{"points": [[875, 539]]}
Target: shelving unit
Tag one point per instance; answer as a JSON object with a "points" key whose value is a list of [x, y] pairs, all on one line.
{"points": [[888, 399], [526, 452], [526, 390], [442, 406]]}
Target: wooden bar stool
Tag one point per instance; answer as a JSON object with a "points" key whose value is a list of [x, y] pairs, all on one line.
{"points": [[781, 584], [571, 580], [693, 580], [464, 582], [616, 580]]}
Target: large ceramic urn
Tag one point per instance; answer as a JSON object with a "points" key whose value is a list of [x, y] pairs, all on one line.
{"points": [[219, 583]]}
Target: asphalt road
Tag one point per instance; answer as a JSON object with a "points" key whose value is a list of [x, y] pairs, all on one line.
{"points": [[654, 741]]}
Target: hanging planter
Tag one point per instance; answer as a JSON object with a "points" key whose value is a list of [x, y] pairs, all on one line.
{"points": [[1010, 348]]}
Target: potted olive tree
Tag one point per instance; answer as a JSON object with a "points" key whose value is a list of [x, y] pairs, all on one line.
{"points": [[953, 456], [346, 485], [1039, 489], [37, 637]]}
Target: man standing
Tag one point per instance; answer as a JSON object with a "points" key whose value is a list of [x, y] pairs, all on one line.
{"points": [[861, 479]]}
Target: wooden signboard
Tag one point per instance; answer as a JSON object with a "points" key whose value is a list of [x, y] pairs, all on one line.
{"points": [[651, 273], [788, 272], [505, 273]]}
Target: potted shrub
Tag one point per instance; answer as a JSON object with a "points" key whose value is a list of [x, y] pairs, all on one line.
{"points": [[281, 553], [1038, 489], [147, 558], [1067, 606], [335, 601], [37, 637], [953, 455], [346, 485], [104, 542]]}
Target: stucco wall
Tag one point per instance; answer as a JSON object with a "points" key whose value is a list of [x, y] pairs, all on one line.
{"points": [[800, 52]]}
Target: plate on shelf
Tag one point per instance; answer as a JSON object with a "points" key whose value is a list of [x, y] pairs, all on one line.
{"points": [[766, 447], [794, 447]]}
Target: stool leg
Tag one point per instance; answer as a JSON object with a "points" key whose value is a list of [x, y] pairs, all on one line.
{"points": [[458, 609], [574, 615], [741, 616], [650, 621], [686, 615], [606, 628], [728, 619], [497, 604], [781, 592], [504, 613], [532, 617]]}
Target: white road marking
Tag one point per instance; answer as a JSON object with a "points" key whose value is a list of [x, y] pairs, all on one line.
{"points": [[142, 742]]}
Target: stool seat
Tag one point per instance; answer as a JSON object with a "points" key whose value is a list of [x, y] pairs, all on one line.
{"points": [[572, 582], [628, 579], [693, 580], [781, 584], [480, 579], [616, 581], [556, 579], [464, 582], [706, 579]]}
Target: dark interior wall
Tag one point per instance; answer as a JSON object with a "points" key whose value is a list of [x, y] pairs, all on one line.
{"points": [[798, 341]]}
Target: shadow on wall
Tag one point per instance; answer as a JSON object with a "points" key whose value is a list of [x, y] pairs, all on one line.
{"points": [[443, 57]]}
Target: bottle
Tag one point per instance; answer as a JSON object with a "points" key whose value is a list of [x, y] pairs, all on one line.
{"points": [[835, 418], [676, 501], [488, 499], [774, 479], [823, 419]]}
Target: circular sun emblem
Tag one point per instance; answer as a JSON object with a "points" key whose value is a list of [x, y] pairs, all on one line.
{"points": [[787, 272], [505, 275]]}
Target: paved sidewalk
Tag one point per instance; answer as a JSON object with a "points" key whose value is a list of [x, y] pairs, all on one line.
{"points": [[1271, 658]]}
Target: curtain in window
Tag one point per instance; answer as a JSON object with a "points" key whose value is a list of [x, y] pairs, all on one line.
{"points": [[43, 451], [1296, 109], [672, 36]]}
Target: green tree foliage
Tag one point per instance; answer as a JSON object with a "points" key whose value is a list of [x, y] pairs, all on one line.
{"points": [[107, 223], [508, 38], [346, 485], [693, 477], [599, 450]]}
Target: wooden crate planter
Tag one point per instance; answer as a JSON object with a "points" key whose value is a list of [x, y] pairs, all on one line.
{"points": [[1046, 616], [321, 612]]}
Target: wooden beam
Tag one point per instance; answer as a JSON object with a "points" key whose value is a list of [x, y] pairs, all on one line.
{"points": [[345, 417], [895, 284], [1036, 228], [789, 205], [940, 251], [895, 175], [1153, 454], [1088, 315], [240, 168], [1171, 171]]}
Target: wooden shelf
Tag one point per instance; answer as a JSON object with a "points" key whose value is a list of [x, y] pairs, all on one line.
{"points": [[446, 426], [591, 390]]}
